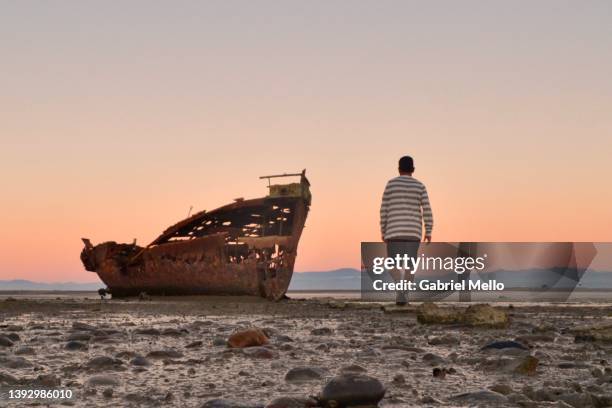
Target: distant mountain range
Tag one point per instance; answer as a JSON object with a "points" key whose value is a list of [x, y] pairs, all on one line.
{"points": [[20, 284], [339, 279], [350, 279]]}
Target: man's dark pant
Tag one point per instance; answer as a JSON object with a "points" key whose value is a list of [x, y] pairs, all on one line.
{"points": [[400, 246]]}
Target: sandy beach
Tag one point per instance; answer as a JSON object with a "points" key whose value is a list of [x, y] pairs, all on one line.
{"points": [[174, 352]]}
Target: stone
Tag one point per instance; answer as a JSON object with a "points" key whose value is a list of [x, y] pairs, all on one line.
{"points": [[486, 397], [259, 352], [219, 341], [428, 399], [447, 339], [25, 350], [194, 344], [161, 354], [504, 344], [75, 346], [172, 332], [140, 399], [430, 313], [573, 365], [501, 388], [601, 334], [433, 359], [304, 374], [352, 389], [5, 341], [292, 402], [353, 369], [80, 336], [82, 326], [140, 361], [148, 331], [226, 403], [321, 331], [7, 379], [14, 362], [103, 379], [103, 362], [439, 373], [480, 315], [247, 338], [526, 365], [47, 381]]}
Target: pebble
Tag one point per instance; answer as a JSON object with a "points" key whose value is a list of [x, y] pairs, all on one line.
{"points": [[259, 352], [506, 344], [75, 346], [353, 369], [140, 361], [292, 402], [83, 326], [148, 331], [219, 341], [352, 389], [47, 380], [80, 336], [433, 359], [195, 344], [102, 379], [501, 388], [14, 362], [168, 353], [321, 331], [5, 341], [25, 350], [103, 362], [446, 340], [247, 338], [226, 403], [480, 397], [303, 374], [427, 399], [172, 332]]}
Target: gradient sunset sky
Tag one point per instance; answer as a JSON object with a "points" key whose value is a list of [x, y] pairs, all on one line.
{"points": [[116, 117]]}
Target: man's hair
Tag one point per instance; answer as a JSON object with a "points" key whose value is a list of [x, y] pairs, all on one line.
{"points": [[406, 164]]}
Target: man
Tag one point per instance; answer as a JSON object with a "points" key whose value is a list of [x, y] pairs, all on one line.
{"points": [[404, 209]]}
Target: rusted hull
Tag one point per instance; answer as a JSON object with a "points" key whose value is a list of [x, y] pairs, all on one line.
{"points": [[223, 252], [197, 268]]}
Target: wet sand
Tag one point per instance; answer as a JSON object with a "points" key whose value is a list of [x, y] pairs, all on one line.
{"points": [[173, 352]]}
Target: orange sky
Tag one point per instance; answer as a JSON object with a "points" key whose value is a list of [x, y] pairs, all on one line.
{"points": [[114, 121]]}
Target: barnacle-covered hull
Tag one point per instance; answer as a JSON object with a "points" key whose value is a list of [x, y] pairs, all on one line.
{"points": [[247, 247]]}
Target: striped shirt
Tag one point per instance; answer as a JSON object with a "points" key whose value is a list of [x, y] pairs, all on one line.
{"points": [[404, 209]]}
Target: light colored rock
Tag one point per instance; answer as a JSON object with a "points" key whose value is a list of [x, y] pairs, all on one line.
{"points": [[480, 315]]}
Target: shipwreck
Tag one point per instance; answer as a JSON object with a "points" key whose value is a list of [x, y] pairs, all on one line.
{"points": [[247, 247]]}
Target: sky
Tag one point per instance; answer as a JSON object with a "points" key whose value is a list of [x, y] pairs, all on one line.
{"points": [[116, 117]]}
